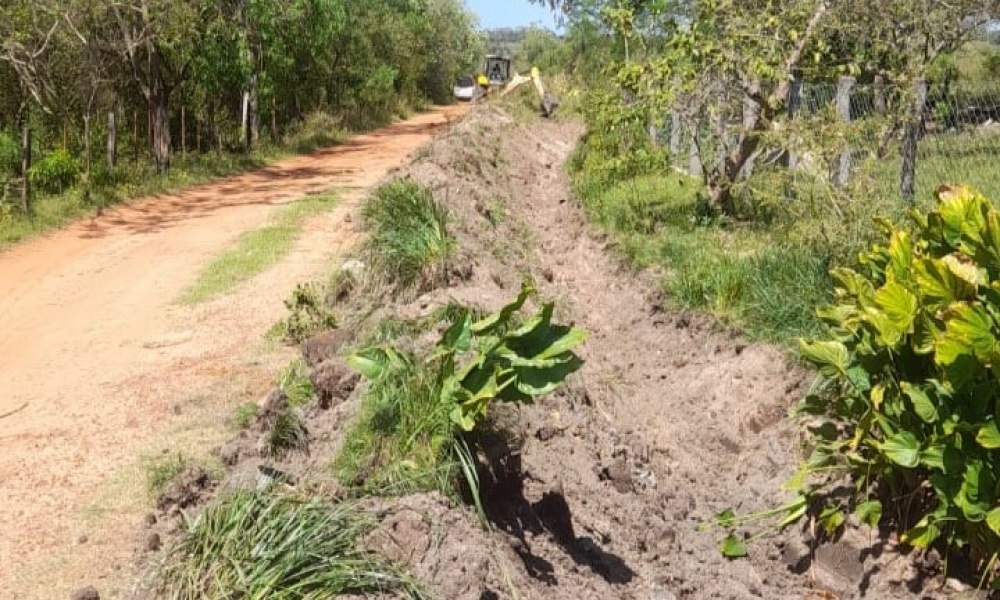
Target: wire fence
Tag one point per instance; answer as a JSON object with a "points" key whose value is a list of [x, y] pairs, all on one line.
{"points": [[903, 141]]}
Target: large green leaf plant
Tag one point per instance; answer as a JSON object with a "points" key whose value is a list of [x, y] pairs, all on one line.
{"points": [[907, 399], [499, 357]]}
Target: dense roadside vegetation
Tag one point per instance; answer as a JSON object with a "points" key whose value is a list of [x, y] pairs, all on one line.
{"points": [[122, 99], [904, 412]]}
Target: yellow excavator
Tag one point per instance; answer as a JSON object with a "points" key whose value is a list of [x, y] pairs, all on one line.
{"points": [[549, 104]]}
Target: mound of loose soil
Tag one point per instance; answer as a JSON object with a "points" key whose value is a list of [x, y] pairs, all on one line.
{"points": [[600, 490]]}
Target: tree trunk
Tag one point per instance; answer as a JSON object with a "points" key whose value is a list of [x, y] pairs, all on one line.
{"points": [[112, 148], [86, 145], [183, 132], [25, 167], [675, 134], [161, 132]]}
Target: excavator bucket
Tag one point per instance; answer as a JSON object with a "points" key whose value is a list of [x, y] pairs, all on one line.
{"points": [[549, 106]]}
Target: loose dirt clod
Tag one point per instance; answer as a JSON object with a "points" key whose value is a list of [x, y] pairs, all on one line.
{"points": [[87, 593], [324, 346], [333, 382], [190, 487]]}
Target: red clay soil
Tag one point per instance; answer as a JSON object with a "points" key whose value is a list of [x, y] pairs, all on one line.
{"points": [[96, 356]]}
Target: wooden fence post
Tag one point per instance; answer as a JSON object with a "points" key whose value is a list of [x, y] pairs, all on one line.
{"points": [[183, 133], [794, 106], [911, 136], [694, 158], [751, 113], [25, 167], [843, 103], [112, 146], [675, 133], [135, 135]]}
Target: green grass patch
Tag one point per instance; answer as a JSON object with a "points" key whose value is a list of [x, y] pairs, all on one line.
{"points": [[128, 180], [267, 545], [763, 280], [295, 383], [161, 470], [256, 250], [408, 244], [403, 439]]}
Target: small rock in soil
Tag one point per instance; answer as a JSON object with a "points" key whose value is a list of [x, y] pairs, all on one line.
{"points": [[83, 539], [229, 453], [87, 593], [619, 474], [546, 433], [153, 542], [150, 520]]}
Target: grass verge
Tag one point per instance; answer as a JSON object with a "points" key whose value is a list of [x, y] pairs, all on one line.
{"points": [[256, 250], [761, 280], [268, 545]]}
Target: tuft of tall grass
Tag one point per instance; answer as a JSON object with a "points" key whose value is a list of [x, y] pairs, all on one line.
{"points": [[403, 439], [264, 544], [409, 244]]}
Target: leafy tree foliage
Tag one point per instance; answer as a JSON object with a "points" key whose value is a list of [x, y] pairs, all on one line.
{"points": [[222, 70]]}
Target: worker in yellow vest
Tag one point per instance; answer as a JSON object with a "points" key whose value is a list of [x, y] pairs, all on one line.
{"points": [[484, 83]]}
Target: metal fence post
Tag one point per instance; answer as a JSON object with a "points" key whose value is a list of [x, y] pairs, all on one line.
{"points": [[908, 171], [843, 103]]}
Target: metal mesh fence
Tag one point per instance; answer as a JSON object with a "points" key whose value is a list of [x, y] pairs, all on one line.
{"points": [[847, 131]]}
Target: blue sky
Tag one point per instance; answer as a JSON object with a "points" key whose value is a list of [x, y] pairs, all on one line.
{"points": [[510, 13]]}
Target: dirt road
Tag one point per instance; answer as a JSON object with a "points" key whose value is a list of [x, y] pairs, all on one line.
{"points": [[99, 365]]}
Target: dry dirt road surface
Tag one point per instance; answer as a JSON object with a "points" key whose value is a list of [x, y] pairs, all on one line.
{"points": [[100, 366]]}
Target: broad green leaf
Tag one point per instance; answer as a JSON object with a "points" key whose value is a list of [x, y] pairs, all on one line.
{"points": [[933, 456], [902, 449], [831, 358], [733, 547], [969, 330], [538, 382], [993, 520], [939, 287], [502, 317], [869, 513], [371, 363], [965, 270], [458, 337], [726, 518], [900, 254], [899, 305], [922, 535], [922, 404], [989, 436], [962, 213], [831, 518]]}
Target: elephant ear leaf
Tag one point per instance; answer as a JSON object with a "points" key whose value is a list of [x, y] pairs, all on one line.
{"points": [[830, 357]]}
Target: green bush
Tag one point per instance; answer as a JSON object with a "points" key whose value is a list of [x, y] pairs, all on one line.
{"points": [[308, 312], [908, 402], [409, 244], [10, 156], [54, 173]]}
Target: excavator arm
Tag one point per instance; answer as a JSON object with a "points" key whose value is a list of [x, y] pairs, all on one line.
{"points": [[548, 102]]}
